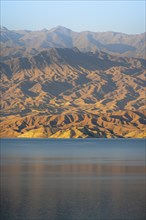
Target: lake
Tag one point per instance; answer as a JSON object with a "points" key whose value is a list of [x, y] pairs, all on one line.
{"points": [[73, 179]]}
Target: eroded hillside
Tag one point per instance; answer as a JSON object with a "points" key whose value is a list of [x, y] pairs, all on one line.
{"points": [[65, 93]]}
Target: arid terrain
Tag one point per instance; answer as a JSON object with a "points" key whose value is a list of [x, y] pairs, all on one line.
{"points": [[18, 43], [73, 89]]}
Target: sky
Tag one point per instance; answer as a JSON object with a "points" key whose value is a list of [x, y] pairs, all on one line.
{"points": [[127, 16]]}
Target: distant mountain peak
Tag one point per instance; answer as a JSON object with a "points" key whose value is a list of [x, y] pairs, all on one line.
{"points": [[2, 28], [60, 28]]}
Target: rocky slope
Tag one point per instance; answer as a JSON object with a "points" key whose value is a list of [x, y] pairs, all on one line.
{"points": [[75, 125], [62, 93]]}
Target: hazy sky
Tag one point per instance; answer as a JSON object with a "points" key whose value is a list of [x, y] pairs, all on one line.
{"points": [[121, 16]]}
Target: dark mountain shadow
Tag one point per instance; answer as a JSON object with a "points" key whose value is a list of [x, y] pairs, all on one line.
{"points": [[130, 72], [5, 69], [26, 86], [40, 60], [24, 63], [123, 102], [119, 48], [55, 88], [89, 60], [82, 79]]}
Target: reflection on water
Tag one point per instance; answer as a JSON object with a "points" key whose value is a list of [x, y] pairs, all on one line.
{"points": [[49, 186]]}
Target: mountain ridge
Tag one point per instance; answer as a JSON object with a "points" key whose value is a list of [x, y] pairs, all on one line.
{"points": [[30, 42]]}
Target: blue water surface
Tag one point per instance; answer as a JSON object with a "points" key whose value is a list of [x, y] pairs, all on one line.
{"points": [[73, 179]]}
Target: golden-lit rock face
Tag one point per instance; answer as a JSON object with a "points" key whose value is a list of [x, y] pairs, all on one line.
{"points": [[64, 93], [127, 124]]}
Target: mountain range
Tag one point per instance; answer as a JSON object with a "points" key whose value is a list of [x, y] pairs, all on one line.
{"points": [[23, 42], [62, 84]]}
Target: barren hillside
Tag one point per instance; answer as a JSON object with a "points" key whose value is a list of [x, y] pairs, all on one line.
{"points": [[66, 93]]}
